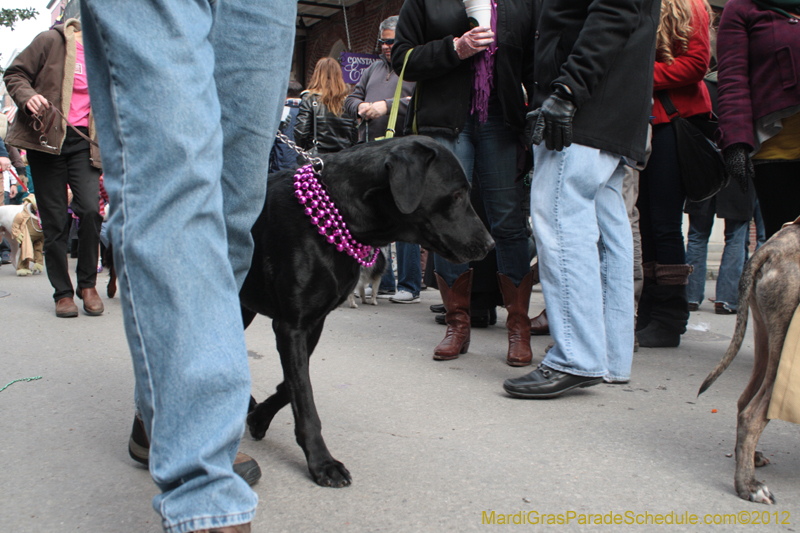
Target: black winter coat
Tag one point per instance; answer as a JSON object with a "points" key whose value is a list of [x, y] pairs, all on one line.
{"points": [[333, 133], [443, 94], [604, 51]]}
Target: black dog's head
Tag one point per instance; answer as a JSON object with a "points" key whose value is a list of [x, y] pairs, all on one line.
{"points": [[431, 192], [410, 189]]}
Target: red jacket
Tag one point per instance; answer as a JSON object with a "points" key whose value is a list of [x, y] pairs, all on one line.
{"points": [[683, 79]]}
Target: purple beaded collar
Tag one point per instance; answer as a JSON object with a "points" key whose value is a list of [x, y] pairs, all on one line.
{"points": [[323, 213]]}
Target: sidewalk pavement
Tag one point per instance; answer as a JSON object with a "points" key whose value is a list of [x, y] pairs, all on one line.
{"points": [[431, 445]]}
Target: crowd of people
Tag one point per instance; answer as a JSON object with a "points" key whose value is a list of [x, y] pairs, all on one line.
{"points": [[557, 112]]}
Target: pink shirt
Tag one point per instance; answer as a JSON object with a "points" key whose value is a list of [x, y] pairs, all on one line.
{"points": [[79, 105]]}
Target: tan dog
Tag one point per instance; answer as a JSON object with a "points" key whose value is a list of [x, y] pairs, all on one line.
{"points": [[770, 286]]}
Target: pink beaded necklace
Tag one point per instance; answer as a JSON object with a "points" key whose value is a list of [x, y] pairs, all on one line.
{"points": [[323, 213]]}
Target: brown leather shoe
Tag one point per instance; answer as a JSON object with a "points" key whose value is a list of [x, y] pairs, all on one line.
{"points": [[247, 468], [456, 304], [540, 325], [66, 308], [139, 449], [516, 301], [241, 528], [92, 304]]}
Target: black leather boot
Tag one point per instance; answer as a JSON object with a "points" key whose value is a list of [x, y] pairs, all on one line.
{"points": [[669, 311]]}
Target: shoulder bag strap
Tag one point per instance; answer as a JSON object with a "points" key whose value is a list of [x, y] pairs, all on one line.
{"points": [[314, 108], [396, 102], [666, 103]]}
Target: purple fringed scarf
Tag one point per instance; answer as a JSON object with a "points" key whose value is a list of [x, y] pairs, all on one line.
{"points": [[483, 74]]}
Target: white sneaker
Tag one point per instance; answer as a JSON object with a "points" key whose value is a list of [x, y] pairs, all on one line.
{"points": [[404, 297]]}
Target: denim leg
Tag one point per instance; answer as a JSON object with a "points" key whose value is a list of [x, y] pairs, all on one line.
{"points": [[761, 236], [616, 265], [496, 168], [576, 200], [409, 273], [464, 150], [387, 280], [697, 254], [732, 264], [184, 325]]}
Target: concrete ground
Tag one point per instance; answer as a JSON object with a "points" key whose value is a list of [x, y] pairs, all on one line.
{"points": [[432, 446]]}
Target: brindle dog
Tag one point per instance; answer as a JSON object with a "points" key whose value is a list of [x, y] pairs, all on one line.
{"points": [[770, 286]]}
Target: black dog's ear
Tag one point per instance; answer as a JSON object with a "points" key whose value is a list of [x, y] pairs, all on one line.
{"points": [[407, 165]]}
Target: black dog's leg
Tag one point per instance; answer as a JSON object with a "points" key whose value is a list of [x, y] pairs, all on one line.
{"points": [[295, 346], [261, 415], [247, 319]]}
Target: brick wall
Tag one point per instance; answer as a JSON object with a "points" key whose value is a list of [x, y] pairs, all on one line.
{"points": [[363, 20]]}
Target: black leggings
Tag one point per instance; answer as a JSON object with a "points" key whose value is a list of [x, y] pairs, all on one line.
{"points": [[778, 191], [661, 200]]}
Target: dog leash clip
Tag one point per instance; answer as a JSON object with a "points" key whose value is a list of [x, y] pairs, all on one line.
{"points": [[318, 165], [43, 142]]}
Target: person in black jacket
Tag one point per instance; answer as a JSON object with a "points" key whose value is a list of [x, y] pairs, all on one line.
{"points": [[469, 96], [282, 157], [322, 120], [594, 80]]}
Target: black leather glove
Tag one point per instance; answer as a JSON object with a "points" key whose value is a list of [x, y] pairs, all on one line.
{"points": [[552, 122], [738, 164]]}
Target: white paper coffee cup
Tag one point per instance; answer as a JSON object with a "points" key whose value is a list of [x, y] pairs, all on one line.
{"points": [[479, 13]]}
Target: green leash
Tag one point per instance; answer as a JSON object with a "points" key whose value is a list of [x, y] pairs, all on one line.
{"points": [[20, 379], [396, 102]]}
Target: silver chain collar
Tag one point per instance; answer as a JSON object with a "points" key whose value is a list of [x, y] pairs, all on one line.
{"points": [[315, 161]]}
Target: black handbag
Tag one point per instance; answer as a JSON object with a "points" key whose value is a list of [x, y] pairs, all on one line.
{"points": [[701, 163]]}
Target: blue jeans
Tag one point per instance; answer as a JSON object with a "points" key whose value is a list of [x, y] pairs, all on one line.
{"points": [[490, 150], [761, 236], [585, 246], [187, 97], [409, 272], [730, 269]]}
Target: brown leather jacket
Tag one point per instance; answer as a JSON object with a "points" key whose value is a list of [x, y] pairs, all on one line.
{"points": [[45, 67]]}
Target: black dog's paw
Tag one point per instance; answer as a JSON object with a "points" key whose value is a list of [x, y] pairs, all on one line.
{"points": [[258, 424], [331, 473]]}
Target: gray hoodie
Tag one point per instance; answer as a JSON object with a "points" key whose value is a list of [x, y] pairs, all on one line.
{"points": [[379, 82]]}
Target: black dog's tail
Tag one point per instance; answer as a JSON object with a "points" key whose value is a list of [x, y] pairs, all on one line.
{"points": [[745, 288]]}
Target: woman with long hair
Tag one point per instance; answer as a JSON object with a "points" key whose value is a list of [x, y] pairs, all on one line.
{"points": [[683, 52], [322, 121]]}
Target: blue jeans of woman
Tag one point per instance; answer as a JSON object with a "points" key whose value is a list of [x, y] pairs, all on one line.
{"points": [[488, 152], [585, 247], [730, 269], [409, 271], [187, 97]]}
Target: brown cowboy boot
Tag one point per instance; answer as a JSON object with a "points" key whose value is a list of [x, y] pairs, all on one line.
{"points": [[456, 304], [540, 324], [516, 301]]}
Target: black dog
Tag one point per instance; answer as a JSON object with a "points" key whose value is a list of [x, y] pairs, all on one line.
{"points": [[408, 189]]}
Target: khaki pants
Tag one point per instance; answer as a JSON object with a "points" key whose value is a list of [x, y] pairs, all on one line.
{"points": [[630, 193]]}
